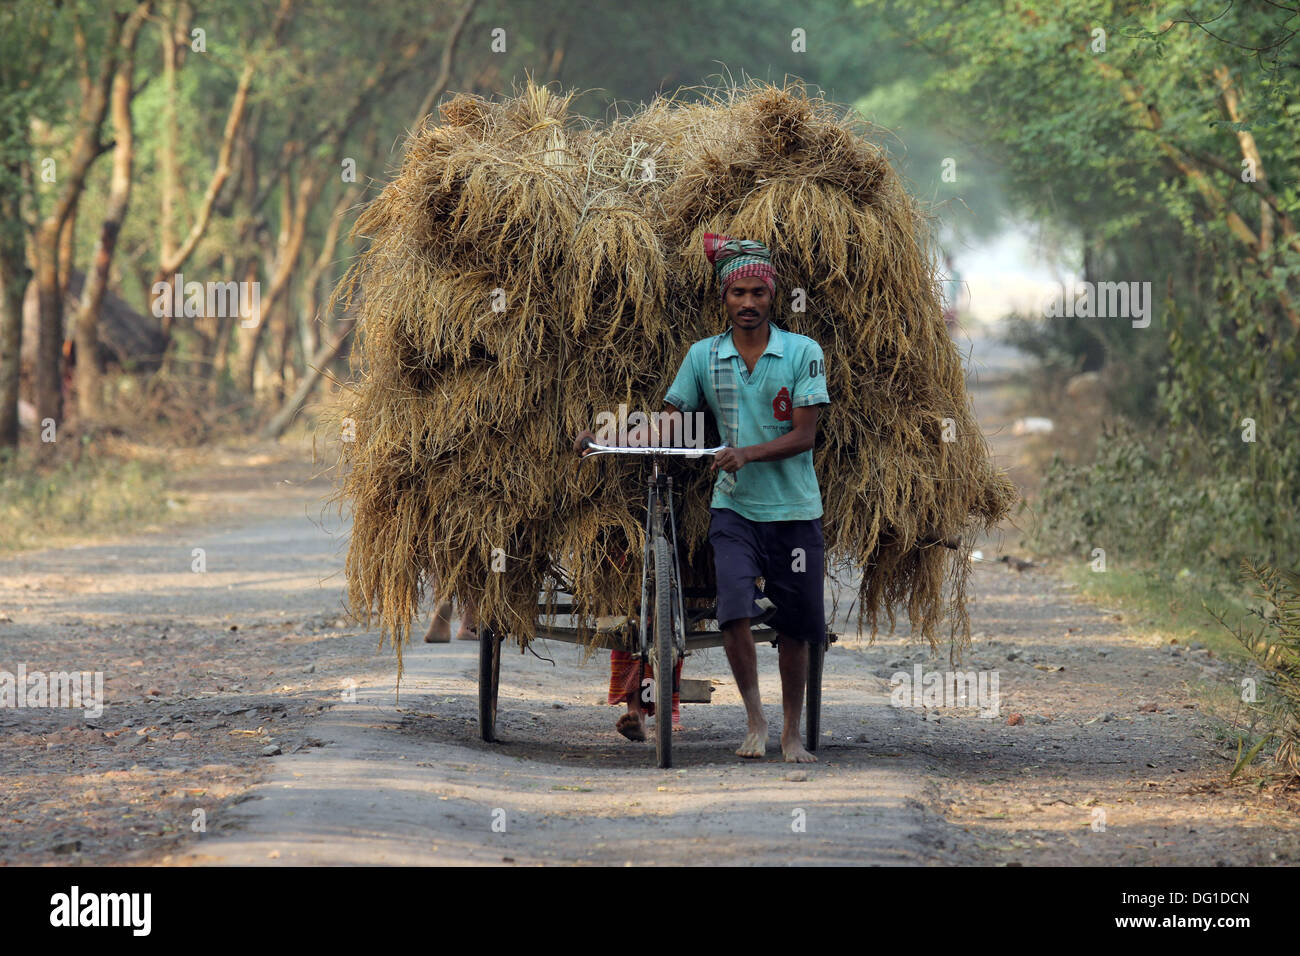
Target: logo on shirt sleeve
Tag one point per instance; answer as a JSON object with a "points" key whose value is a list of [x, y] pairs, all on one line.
{"points": [[782, 406]]}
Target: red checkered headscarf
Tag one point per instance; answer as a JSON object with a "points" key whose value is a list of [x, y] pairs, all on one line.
{"points": [[735, 258]]}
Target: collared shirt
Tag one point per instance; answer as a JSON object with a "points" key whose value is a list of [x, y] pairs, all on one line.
{"points": [[790, 374]]}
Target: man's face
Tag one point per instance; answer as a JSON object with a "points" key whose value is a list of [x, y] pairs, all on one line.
{"points": [[748, 302]]}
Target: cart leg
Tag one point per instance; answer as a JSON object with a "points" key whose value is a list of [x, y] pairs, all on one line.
{"points": [[489, 677], [663, 654], [816, 656]]}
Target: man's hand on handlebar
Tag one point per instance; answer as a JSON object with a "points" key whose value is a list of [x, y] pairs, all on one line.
{"points": [[729, 459], [638, 437]]}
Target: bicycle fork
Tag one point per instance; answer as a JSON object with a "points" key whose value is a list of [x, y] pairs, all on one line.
{"points": [[659, 488]]}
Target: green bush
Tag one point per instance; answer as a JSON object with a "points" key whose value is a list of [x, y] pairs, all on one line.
{"points": [[1275, 647], [1167, 499]]}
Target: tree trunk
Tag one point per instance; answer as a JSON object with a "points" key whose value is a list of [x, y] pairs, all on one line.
{"points": [[167, 141], [250, 336], [119, 199], [444, 68], [47, 390], [213, 325], [310, 326], [67, 251], [281, 320], [289, 246], [14, 276], [241, 267], [169, 265], [278, 350], [50, 232], [221, 358], [308, 303]]}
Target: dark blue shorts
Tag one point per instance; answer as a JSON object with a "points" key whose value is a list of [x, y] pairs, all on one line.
{"points": [[744, 550]]}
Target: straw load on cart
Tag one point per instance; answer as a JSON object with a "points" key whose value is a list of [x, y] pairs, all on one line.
{"points": [[525, 271]]}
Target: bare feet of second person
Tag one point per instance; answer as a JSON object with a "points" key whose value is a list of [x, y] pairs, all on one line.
{"points": [[631, 725], [440, 627], [468, 626], [793, 750]]}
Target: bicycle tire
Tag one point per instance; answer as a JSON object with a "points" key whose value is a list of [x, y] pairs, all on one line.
{"points": [[663, 652], [489, 679]]}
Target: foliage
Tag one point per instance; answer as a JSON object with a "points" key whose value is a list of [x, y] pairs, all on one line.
{"points": [[78, 496], [1140, 148], [1168, 499], [1275, 646], [342, 84], [971, 205]]}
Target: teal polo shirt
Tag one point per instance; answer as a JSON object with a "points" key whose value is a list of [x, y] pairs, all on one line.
{"points": [[791, 373]]}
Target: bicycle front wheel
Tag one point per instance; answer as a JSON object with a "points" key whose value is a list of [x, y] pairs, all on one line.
{"points": [[663, 652]]}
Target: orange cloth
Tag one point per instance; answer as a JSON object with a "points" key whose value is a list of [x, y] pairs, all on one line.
{"points": [[625, 679], [625, 671]]}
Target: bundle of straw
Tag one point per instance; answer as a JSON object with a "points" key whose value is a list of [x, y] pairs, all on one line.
{"points": [[525, 271]]}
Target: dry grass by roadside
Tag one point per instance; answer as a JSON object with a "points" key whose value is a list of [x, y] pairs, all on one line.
{"points": [[109, 491], [1166, 604], [104, 484], [1170, 599]]}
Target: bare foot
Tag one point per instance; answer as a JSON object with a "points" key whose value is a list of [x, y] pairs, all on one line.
{"points": [[755, 744], [440, 627], [468, 623], [794, 752], [631, 726]]}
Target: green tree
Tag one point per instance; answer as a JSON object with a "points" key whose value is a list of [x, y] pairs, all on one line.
{"points": [[1165, 136]]}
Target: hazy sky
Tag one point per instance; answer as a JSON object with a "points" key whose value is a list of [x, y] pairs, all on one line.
{"points": [[1011, 271]]}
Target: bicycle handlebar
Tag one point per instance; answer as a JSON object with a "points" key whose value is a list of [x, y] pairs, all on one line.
{"points": [[952, 542], [596, 449]]}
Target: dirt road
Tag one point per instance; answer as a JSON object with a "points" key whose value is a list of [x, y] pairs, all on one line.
{"points": [[1099, 752]]}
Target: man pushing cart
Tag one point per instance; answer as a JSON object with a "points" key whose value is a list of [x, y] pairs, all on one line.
{"points": [[765, 387]]}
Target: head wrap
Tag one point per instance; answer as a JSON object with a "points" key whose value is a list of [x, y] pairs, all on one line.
{"points": [[737, 258]]}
